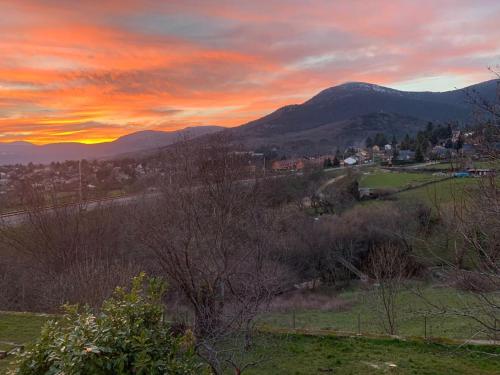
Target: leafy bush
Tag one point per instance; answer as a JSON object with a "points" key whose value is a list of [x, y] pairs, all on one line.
{"points": [[128, 336]]}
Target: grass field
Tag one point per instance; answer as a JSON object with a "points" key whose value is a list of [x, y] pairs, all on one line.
{"points": [[396, 180], [475, 164], [18, 328], [363, 308], [305, 355], [442, 191]]}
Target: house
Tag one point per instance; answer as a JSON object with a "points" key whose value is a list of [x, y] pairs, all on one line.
{"points": [[376, 148], [287, 165], [440, 152], [350, 161], [406, 155], [481, 172], [388, 147]]}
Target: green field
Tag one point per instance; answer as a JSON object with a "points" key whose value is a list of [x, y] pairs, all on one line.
{"points": [[395, 180], [445, 166], [363, 313], [18, 328], [441, 192], [304, 355], [280, 353]]}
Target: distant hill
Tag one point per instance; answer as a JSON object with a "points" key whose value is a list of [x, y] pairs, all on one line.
{"points": [[339, 116], [347, 114], [25, 152]]}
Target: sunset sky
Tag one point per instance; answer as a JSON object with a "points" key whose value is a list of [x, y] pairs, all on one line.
{"points": [[91, 71]]}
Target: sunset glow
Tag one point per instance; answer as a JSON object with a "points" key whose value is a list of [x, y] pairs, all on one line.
{"points": [[91, 71]]}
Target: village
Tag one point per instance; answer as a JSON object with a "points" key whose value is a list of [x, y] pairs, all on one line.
{"points": [[94, 179]]}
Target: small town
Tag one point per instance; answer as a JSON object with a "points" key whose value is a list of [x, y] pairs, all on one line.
{"points": [[460, 150]]}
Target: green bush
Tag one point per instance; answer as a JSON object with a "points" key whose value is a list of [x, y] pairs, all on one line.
{"points": [[128, 336]]}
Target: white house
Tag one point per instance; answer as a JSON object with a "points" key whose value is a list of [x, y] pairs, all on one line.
{"points": [[350, 161]]}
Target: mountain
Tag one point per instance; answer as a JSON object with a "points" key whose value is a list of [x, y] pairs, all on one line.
{"points": [[347, 114], [25, 152], [339, 116]]}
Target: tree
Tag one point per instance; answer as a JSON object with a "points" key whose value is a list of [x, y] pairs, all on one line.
{"points": [[472, 222], [389, 267], [380, 139], [449, 131], [128, 336], [369, 142], [419, 155], [216, 242], [394, 142], [460, 142], [406, 143], [70, 254]]}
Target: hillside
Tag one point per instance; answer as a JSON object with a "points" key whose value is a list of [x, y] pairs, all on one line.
{"points": [[25, 152], [346, 114]]}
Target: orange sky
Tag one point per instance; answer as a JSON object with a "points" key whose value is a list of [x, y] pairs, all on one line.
{"points": [[92, 71]]}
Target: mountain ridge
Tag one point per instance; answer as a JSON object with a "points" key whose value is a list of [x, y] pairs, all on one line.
{"points": [[21, 152], [337, 116], [337, 109]]}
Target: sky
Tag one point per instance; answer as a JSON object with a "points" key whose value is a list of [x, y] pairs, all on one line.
{"points": [[91, 71]]}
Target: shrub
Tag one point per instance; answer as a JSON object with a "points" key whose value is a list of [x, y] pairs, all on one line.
{"points": [[128, 336]]}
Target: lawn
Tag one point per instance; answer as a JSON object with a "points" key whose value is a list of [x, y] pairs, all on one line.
{"points": [[362, 311], [18, 328], [446, 166], [441, 192], [395, 180], [303, 354], [298, 354]]}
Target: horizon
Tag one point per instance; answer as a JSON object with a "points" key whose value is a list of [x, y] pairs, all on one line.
{"points": [[134, 66], [90, 142]]}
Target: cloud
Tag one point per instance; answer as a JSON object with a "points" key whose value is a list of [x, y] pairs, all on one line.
{"points": [[94, 70]]}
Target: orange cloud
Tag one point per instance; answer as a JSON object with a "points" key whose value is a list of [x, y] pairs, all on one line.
{"points": [[94, 71]]}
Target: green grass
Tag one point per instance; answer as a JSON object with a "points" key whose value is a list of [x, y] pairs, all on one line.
{"points": [[302, 354], [445, 166], [18, 328], [365, 306], [305, 355], [395, 180], [440, 192]]}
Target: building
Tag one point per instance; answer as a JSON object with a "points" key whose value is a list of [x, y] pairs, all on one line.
{"points": [[481, 172], [288, 165], [406, 155], [350, 161], [440, 152]]}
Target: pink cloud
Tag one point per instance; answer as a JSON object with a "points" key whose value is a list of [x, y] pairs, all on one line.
{"points": [[112, 64]]}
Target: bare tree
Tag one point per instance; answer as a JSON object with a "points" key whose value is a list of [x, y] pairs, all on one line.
{"points": [[389, 267], [64, 254], [216, 242], [472, 222]]}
